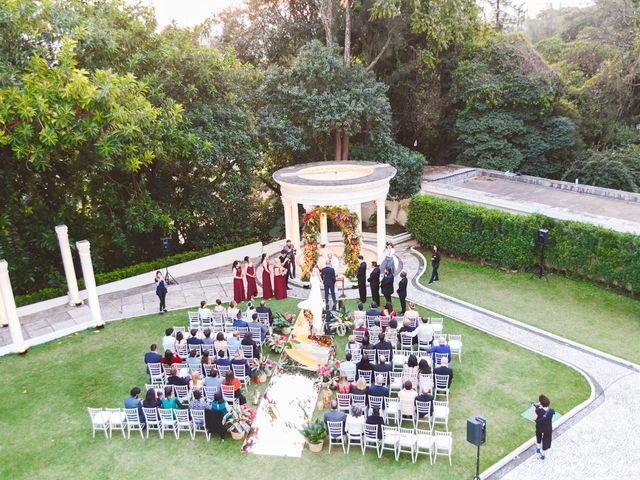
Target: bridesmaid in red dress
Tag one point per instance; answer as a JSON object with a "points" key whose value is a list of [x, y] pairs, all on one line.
{"points": [[280, 281], [250, 273], [238, 284], [267, 292]]}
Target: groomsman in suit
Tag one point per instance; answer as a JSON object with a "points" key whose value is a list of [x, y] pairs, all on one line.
{"points": [[328, 276], [374, 282], [402, 291], [386, 285], [362, 279]]}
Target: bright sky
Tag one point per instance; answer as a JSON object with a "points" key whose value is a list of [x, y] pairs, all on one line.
{"points": [[188, 13]]}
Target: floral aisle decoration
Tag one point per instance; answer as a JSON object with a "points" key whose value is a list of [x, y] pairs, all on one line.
{"points": [[283, 322], [238, 420], [329, 374], [346, 221], [261, 368], [341, 321]]}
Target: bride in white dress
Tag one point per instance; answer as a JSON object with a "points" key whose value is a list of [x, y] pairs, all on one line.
{"points": [[314, 302]]}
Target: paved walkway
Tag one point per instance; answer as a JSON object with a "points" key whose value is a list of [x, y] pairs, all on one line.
{"points": [[601, 440]]}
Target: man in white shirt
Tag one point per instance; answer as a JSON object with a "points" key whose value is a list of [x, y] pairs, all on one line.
{"points": [[348, 367], [424, 331], [168, 341], [203, 311]]}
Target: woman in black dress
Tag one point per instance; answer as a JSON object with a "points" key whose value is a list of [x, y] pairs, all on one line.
{"points": [[543, 416]]}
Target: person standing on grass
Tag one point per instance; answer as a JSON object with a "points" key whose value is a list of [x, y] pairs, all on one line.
{"points": [[543, 416], [362, 279], [402, 291], [161, 290], [435, 264]]}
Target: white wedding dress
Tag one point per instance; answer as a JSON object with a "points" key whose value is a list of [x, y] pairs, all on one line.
{"points": [[314, 302]]}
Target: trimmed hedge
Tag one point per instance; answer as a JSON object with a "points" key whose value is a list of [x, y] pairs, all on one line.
{"points": [[130, 271], [507, 240]]}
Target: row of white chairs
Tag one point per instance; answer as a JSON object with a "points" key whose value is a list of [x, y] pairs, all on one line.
{"points": [[398, 440], [219, 319]]}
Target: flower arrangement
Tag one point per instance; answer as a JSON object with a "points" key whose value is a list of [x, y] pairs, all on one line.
{"points": [[282, 322], [329, 373], [238, 419], [341, 321], [261, 367], [280, 343]]}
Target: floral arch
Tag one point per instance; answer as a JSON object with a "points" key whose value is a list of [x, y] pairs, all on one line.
{"points": [[347, 222]]}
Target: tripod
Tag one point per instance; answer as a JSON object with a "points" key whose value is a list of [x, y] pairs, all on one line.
{"points": [[477, 477], [168, 278]]}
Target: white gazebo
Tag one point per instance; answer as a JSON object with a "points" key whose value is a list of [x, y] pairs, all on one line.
{"points": [[334, 183]]}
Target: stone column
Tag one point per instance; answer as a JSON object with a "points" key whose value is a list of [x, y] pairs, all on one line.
{"points": [[10, 309], [84, 249], [286, 203], [4, 320], [324, 233], [67, 262], [381, 227], [295, 226], [357, 209]]}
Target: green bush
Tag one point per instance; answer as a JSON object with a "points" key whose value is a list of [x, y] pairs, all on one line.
{"points": [[130, 271], [507, 240]]}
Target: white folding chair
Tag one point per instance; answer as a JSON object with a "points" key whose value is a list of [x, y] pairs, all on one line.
{"points": [[392, 410], [455, 344], [355, 438], [406, 443], [370, 353], [194, 319], [384, 322], [370, 439], [441, 385], [263, 318], [356, 356], [351, 375], [437, 358], [247, 351], [168, 421], [423, 413], [344, 402], [197, 367], [182, 393], [152, 419], [373, 335], [385, 376], [360, 400], [438, 324], [336, 435], [423, 345], [223, 370], [117, 420], [182, 350], [406, 342], [395, 382], [383, 353], [372, 320], [359, 335], [425, 379], [376, 401], [243, 331], [440, 415], [156, 373], [210, 392], [197, 422], [183, 423], [99, 421], [134, 422], [443, 445], [389, 440], [228, 394], [366, 374], [391, 335], [178, 329], [240, 373], [424, 444], [399, 359]]}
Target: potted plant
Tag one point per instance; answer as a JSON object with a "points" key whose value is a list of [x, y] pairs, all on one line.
{"points": [[314, 433], [261, 367], [238, 421], [283, 323], [341, 321]]}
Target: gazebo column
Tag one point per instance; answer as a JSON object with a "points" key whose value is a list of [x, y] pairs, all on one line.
{"points": [[324, 233], [295, 226], [84, 249], [286, 203], [4, 320], [10, 309], [357, 209], [381, 227], [67, 263]]}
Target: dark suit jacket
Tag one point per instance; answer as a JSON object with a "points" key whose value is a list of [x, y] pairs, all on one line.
{"points": [[435, 260], [444, 371], [265, 310], [426, 398], [381, 367], [385, 345], [373, 312], [335, 416], [328, 276], [378, 391], [386, 285], [378, 420], [402, 287], [374, 278], [225, 362], [362, 272], [194, 341], [177, 380]]}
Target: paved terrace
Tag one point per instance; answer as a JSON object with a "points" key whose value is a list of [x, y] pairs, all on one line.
{"points": [[600, 440]]}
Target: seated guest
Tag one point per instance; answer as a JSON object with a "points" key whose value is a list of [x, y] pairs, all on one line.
{"points": [[363, 364], [406, 327], [248, 340], [220, 343], [382, 366], [203, 311], [375, 419], [407, 399], [207, 340], [230, 379], [359, 314], [393, 324], [219, 307], [425, 396], [213, 379], [365, 342], [219, 404], [422, 333], [335, 415], [193, 359], [216, 417], [352, 345], [344, 386], [239, 321], [360, 326], [388, 310], [378, 390], [180, 340], [444, 369], [151, 399], [174, 379], [222, 359], [262, 308], [250, 310], [384, 344], [233, 339], [206, 359], [360, 388], [232, 311], [373, 310], [442, 347], [193, 339], [168, 342], [348, 367], [354, 423], [197, 403], [132, 401], [254, 323], [170, 358], [153, 356], [169, 401], [196, 383], [424, 367], [239, 359], [412, 315], [410, 369]]}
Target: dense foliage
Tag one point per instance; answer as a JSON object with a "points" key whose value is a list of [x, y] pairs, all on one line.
{"points": [[507, 240]]}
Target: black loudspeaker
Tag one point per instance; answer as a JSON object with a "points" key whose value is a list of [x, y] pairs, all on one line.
{"points": [[543, 236], [165, 245], [476, 431]]}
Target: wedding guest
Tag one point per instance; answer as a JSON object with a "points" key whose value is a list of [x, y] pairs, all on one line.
{"points": [[233, 340], [412, 314], [230, 379], [223, 360], [152, 356], [402, 291], [374, 282], [198, 403], [213, 379], [359, 314], [262, 308], [410, 369], [232, 311], [207, 340], [220, 343], [168, 342], [354, 424], [423, 367], [132, 401], [442, 347], [218, 411], [151, 399], [206, 359], [335, 415], [425, 396], [347, 367], [193, 359], [363, 364], [250, 274], [444, 369], [169, 401], [267, 291], [196, 383], [238, 282], [386, 284], [170, 358], [193, 339], [344, 386], [238, 359], [378, 389], [175, 379], [255, 324], [161, 290], [204, 312], [248, 340], [180, 340], [239, 322], [352, 345], [407, 398], [280, 281], [360, 387], [388, 310], [375, 419], [219, 307]]}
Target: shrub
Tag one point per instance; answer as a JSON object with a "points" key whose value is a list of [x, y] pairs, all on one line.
{"points": [[507, 240]]}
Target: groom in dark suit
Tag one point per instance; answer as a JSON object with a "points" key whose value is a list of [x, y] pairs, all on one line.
{"points": [[328, 276], [362, 279], [402, 291], [374, 283]]}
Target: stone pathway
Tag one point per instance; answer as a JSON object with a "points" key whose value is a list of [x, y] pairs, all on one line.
{"points": [[600, 440]]}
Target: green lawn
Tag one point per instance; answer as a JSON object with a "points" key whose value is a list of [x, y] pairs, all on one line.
{"points": [[574, 309], [46, 431]]}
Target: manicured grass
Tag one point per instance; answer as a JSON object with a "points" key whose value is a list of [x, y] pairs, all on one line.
{"points": [[575, 309], [46, 430]]}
